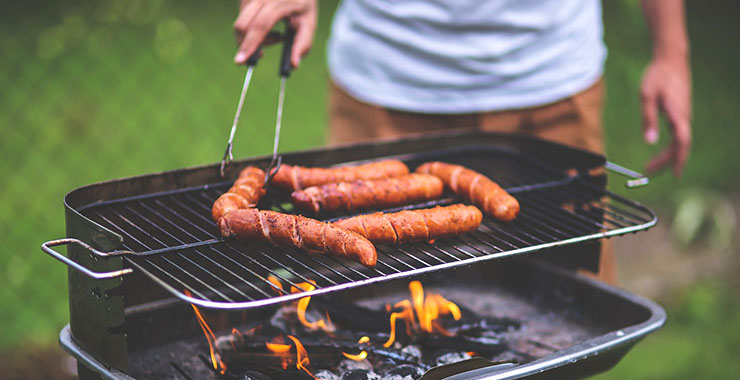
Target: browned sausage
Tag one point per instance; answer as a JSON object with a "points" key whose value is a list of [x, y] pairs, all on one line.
{"points": [[414, 225], [476, 188], [368, 194], [285, 230], [299, 177], [246, 192]]}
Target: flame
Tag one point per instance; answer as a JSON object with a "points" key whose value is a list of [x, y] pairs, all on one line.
{"points": [[276, 283], [408, 316], [322, 324], [279, 348], [237, 334], [362, 355], [218, 364], [301, 356], [427, 310]]}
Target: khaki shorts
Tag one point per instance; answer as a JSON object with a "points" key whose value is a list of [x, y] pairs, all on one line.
{"points": [[574, 121]]}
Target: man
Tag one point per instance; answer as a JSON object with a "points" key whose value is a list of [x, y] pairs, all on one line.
{"points": [[532, 66]]}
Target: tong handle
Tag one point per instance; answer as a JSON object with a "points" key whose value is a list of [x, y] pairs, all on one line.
{"points": [[638, 179], [252, 60], [46, 247], [285, 65]]}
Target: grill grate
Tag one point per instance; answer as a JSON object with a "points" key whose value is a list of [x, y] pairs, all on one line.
{"points": [[180, 247]]}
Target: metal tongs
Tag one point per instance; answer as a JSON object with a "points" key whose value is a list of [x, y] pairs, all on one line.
{"points": [[284, 71]]}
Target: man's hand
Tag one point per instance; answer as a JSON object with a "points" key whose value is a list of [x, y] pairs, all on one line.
{"points": [[666, 87], [257, 17], [666, 84]]}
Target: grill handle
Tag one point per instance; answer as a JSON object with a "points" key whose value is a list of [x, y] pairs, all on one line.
{"points": [[637, 180], [46, 247]]}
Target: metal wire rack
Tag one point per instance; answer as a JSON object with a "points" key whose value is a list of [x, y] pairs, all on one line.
{"points": [[178, 246]]}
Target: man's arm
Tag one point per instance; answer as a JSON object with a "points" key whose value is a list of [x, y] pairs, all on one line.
{"points": [[666, 84]]}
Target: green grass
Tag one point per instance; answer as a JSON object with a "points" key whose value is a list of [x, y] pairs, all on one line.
{"points": [[95, 92]]}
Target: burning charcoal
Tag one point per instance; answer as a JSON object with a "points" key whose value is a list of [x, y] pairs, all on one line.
{"points": [[412, 351], [482, 326], [451, 357], [248, 375], [404, 372], [325, 375], [352, 316], [483, 345], [228, 342], [350, 365], [360, 374], [253, 375]]}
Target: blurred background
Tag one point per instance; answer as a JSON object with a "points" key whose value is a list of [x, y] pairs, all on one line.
{"points": [[91, 91]]}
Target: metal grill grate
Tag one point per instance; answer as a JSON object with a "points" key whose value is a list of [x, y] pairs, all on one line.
{"points": [[180, 248]]}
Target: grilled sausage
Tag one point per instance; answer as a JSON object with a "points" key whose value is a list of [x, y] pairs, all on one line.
{"points": [[285, 230], [414, 225], [368, 194], [246, 192], [475, 187], [299, 177]]}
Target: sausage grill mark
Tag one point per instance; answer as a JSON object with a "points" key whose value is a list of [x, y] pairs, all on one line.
{"points": [[285, 230], [368, 194], [298, 177], [475, 187], [414, 225]]}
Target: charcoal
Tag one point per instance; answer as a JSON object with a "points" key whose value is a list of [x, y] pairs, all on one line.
{"points": [[412, 351], [483, 345], [404, 372], [360, 374], [349, 315], [254, 375], [228, 342], [325, 375], [482, 326], [349, 365], [451, 357], [248, 375]]}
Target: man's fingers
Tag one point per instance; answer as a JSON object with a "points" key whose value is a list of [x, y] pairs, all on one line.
{"points": [[681, 145], [246, 15], [660, 161], [305, 26], [679, 122], [649, 116], [260, 24]]}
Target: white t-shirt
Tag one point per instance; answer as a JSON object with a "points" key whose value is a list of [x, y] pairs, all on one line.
{"points": [[462, 56]]}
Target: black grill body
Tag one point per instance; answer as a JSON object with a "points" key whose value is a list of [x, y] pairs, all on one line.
{"points": [[106, 316]]}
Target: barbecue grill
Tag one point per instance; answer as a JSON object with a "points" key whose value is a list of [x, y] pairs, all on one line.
{"points": [[127, 235]]}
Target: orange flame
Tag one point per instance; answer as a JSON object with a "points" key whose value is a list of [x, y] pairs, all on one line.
{"points": [[322, 324], [218, 364], [274, 281], [428, 309], [279, 348], [408, 316], [362, 355], [301, 356]]}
